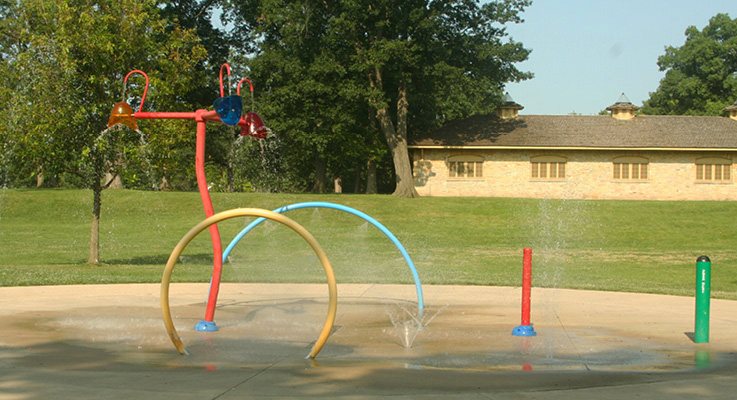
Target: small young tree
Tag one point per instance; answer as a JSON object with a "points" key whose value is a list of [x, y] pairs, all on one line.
{"points": [[66, 64]]}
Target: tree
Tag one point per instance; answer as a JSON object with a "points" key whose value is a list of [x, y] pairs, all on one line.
{"points": [[413, 63], [197, 15], [430, 52], [66, 64], [701, 75], [303, 88]]}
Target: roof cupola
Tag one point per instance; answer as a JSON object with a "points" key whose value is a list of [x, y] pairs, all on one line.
{"points": [[509, 108], [623, 108]]}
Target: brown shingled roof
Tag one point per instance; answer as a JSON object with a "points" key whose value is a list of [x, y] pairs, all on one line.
{"points": [[646, 131]]}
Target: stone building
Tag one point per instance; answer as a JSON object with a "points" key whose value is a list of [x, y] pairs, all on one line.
{"points": [[616, 156]]}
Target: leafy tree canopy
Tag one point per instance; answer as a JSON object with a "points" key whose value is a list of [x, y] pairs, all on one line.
{"points": [[393, 66], [701, 75], [64, 64]]}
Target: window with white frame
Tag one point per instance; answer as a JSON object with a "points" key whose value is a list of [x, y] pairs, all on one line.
{"points": [[713, 169], [548, 168], [466, 166], [630, 168]]}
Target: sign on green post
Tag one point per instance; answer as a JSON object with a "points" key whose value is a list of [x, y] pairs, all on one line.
{"points": [[703, 298]]}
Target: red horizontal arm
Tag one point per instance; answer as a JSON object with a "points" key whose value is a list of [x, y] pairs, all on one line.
{"points": [[199, 115], [164, 115]]}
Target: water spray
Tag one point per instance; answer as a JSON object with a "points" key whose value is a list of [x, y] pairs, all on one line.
{"points": [[249, 212], [353, 211]]}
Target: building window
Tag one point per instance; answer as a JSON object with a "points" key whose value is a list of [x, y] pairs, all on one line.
{"points": [[548, 168], [465, 167], [714, 169], [630, 168]]}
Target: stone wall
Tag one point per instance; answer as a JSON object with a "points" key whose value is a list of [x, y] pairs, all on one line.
{"points": [[589, 175]]}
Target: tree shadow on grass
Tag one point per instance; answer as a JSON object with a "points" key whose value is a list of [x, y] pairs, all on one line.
{"points": [[161, 259]]}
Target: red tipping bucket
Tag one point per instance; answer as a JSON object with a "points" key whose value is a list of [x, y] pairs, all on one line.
{"points": [[255, 126]]}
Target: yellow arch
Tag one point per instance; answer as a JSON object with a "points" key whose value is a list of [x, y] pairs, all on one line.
{"points": [[249, 212]]}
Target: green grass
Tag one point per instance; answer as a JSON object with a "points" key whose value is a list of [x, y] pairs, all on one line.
{"points": [[635, 246]]}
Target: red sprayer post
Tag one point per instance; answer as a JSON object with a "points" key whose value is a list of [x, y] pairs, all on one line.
{"points": [[526, 328]]}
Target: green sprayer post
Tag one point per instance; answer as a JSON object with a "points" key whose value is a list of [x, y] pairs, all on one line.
{"points": [[703, 296]]}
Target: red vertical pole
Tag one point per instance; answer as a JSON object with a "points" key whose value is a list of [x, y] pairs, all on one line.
{"points": [[526, 328], [526, 285], [214, 233]]}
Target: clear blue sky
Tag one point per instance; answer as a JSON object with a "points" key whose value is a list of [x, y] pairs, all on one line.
{"points": [[585, 53]]}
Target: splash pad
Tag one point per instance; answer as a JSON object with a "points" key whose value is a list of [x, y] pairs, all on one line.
{"points": [[94, 341], [465, 348]]}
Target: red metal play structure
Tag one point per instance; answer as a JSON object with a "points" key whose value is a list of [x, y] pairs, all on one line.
{"points": [[228, 110]]}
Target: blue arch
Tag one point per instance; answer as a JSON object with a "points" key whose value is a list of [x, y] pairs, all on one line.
{"points": [[321, 204]]}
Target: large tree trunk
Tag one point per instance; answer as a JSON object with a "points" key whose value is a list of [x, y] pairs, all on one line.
{"points": [[400, 155], [95, 229], [396, 138], [402, 165], [321, 167]]}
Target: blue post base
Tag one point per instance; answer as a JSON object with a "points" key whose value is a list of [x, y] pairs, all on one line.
{"points": [[524, 330], [206, 326]]}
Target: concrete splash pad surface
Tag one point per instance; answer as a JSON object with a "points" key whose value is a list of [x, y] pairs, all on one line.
{"points": [[109, 342]]}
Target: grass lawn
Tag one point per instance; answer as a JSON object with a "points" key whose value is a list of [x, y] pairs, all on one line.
{"points": [[635, 246]]}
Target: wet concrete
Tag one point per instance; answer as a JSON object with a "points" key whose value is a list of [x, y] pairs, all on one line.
{"points": [[109, 342]]}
